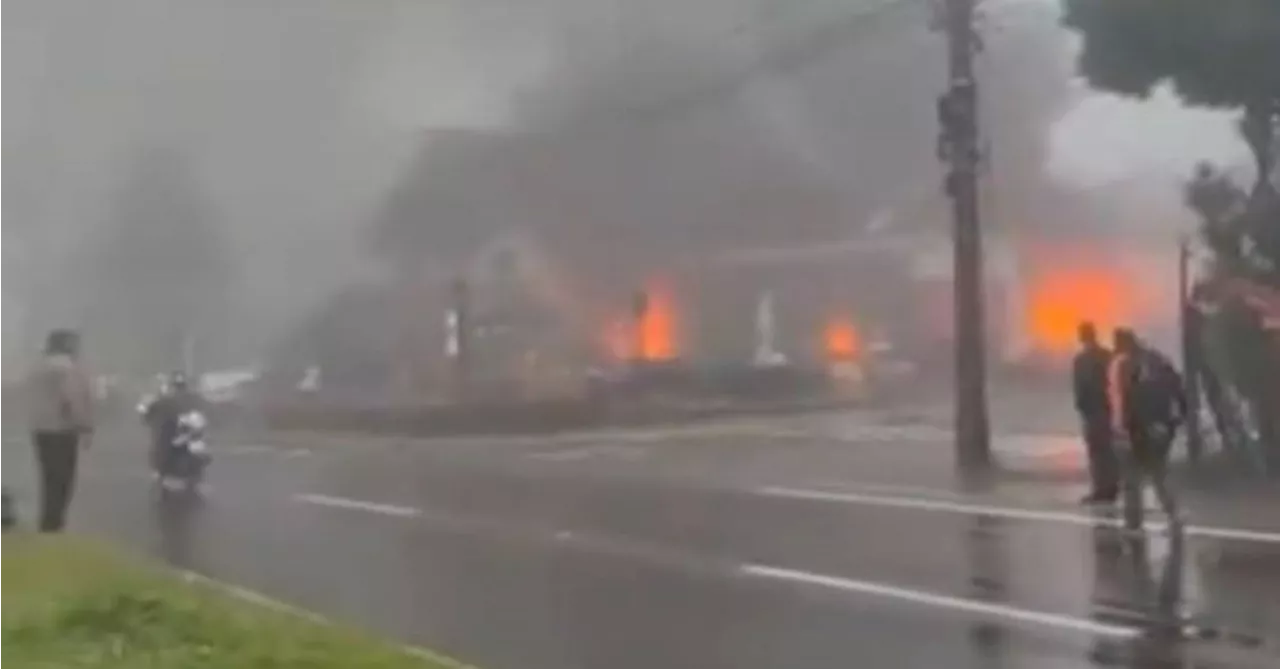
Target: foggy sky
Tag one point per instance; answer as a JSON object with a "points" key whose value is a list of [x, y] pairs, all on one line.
{"points": [[299, 115]]}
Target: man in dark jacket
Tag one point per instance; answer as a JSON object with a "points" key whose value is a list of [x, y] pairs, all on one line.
{"points": [[1147, 407], [1089, 382]]}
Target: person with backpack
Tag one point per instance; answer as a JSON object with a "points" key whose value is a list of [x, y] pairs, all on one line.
{"points": [[1145, 393]]}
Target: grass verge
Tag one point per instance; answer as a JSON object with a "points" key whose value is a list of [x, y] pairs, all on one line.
{"points": [[71, 602]]}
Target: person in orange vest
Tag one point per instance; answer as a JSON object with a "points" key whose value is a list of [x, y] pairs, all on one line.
{"points": [[1147, 405]]}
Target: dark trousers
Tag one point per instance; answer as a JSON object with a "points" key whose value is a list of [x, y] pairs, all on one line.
{"points": [[1147, 460], [1104, 465], [56, 455]]}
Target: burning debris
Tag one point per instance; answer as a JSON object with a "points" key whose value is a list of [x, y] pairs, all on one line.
{"points": [[651, 333], [840, 340], [657, 325]]}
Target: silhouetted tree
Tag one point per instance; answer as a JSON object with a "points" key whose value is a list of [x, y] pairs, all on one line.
{"points": [[1219, 203], [1219, 54]]}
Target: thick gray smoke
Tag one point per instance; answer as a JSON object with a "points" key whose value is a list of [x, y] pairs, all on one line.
{"points": [[650, 146], [260, 99], [324, 132], [834, 100]]}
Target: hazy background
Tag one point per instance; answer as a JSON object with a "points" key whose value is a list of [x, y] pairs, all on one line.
{"points": [[290, 126]]}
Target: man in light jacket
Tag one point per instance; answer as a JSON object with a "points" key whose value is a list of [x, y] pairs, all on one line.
{"points": [[60, 405]]}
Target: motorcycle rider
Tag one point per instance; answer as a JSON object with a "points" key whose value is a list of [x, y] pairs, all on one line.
{"points": [[163, 415], [159, 388]]}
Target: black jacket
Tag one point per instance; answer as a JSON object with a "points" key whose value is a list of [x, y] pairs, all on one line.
{"points": [[1153, 391], [163, 413], [1089, 382]]}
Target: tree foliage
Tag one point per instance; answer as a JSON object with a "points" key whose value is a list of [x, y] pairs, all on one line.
{"points": [[1217, 53], [1218, 202]]}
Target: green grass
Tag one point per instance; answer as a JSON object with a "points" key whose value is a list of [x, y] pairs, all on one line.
{"points": [[71, 602]]}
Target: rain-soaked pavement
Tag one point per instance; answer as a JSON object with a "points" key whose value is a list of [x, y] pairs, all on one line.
{"points": [[791, 543]]}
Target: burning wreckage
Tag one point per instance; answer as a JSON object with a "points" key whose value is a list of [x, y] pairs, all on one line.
{"points": [[803, 326], [514, 329]]}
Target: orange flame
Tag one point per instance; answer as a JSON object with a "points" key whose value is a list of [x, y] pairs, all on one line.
{"points": [[1063, 298], [658, 326], [840, 339], [653, 338]]}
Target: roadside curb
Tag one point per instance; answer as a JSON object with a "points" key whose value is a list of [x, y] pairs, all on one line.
{"points": [[259, 599]]}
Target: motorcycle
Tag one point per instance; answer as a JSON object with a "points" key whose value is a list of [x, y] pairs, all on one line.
{"points": [[182, 467]]}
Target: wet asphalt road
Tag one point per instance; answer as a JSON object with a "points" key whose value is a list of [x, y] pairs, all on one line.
{"points": [[787, 543]]}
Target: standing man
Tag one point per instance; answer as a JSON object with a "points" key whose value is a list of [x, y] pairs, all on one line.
{"points": [[1147, 407], [1089, 382], [60, 417]]}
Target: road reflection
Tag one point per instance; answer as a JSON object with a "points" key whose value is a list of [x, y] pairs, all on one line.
{"points": [[1238, 606], [988, 564], [1158, 593], [178, 519], [1138, 582]]}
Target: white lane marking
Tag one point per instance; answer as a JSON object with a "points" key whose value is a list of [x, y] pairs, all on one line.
{"points": [[248, 449], [657, 553], [972, 606], [911, 490], [261, 449], [1012, 513], [561, 456], [622, 452], [1028, 445], [359, 505]]}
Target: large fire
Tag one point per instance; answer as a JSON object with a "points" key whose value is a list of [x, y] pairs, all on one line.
{"points": [[1059, 300], [840, 339], [657, 340], [653, 337]]}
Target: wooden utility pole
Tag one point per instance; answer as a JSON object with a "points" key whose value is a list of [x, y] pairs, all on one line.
{"points": [[958, 148]]}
